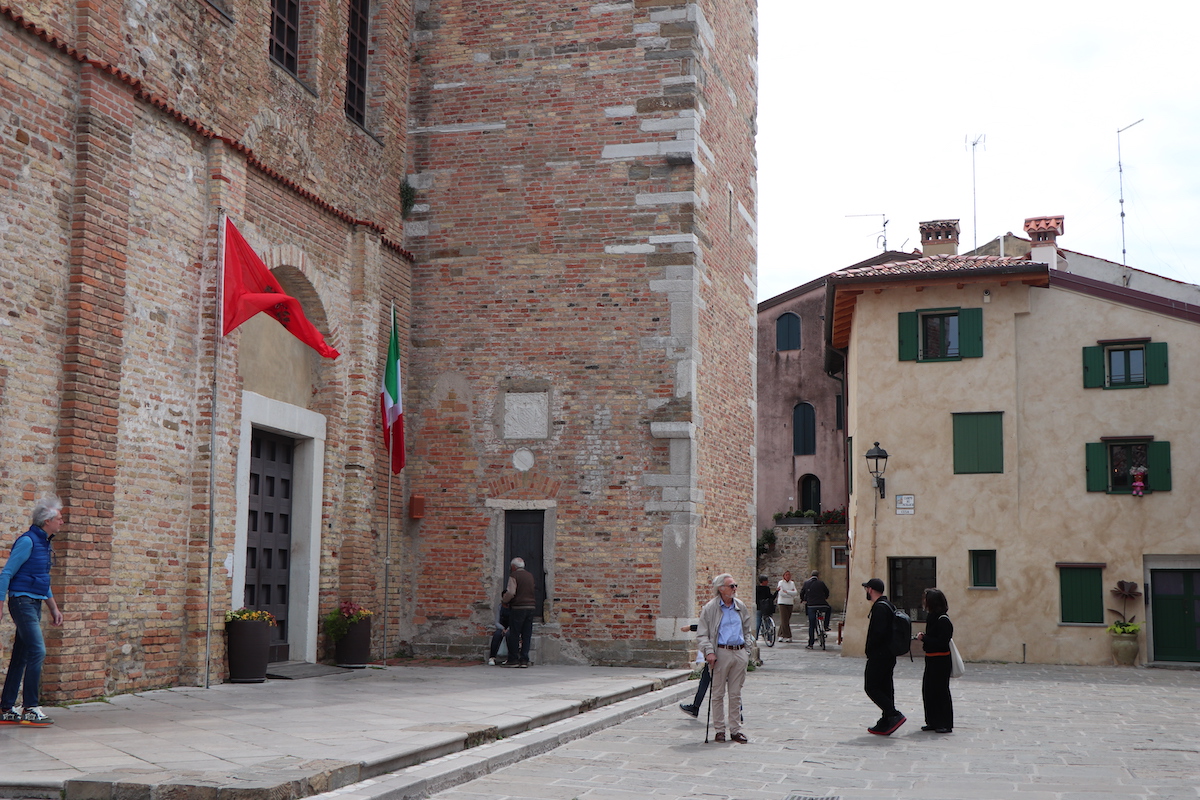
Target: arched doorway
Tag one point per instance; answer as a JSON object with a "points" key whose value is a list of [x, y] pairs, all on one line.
{"points": [[810, 493]]}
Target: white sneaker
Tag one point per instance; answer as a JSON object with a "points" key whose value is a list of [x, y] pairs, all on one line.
{"points": [[34, 716], [491, 662]]}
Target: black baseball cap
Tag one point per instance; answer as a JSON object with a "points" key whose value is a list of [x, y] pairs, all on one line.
{"points": [[875, 584]]}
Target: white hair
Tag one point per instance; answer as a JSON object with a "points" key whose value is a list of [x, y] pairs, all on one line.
{"points": [[518, 562], [719, 581], [46, 509]]}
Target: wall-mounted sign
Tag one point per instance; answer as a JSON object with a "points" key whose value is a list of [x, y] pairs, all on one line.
{"points": [[906, 504]]}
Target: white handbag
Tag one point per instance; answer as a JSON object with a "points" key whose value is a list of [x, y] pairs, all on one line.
{"points": [[957, 668]]}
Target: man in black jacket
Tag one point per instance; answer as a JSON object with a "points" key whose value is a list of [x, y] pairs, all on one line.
{"points": [[877, 678], [815, 594]]}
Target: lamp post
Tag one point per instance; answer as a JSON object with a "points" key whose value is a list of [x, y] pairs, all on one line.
{"points": [[877, 462]]}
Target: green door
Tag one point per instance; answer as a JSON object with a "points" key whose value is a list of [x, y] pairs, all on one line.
{"points": [[1175, 600]]}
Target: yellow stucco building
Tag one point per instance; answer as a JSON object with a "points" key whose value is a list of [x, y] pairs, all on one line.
{"points": [[1021, 403]]}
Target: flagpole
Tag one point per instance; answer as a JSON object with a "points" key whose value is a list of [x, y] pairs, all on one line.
{"points": [[212, 444], [387, 546]]}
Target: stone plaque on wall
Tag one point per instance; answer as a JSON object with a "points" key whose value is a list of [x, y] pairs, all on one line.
{"points": [[525, 415]]}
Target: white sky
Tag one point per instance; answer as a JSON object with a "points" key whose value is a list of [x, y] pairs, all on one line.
{"points": [[866, 107]]}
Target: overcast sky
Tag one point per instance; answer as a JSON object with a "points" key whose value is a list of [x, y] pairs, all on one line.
{"points": [[869, 108]]}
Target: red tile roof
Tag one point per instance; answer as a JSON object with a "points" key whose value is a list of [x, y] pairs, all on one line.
{"points": [[935, 265]]}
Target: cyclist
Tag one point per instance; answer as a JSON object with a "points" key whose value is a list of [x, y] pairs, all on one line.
{"points": [[815, 595]]}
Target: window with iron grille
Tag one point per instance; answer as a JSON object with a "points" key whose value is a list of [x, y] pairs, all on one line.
{"points": [[356, 61], [285, 34]]}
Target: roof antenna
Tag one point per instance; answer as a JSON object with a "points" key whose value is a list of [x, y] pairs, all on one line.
{"points": [[981, 139], [1121, 185], [881, 241]]}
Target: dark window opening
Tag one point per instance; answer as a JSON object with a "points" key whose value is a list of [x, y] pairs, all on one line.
{"points": [[356, 61]]}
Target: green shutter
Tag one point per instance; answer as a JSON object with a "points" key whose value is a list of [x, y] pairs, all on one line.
{"points": [[1158, 466], [1097, 466], [978, 443], [1082, 597], [909, 334], [1093, 367], [1156, 363], [970, 332]]}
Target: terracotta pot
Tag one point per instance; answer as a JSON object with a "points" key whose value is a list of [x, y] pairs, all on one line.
{"points": [[354, 649], [247, 650], [1125, 648]]}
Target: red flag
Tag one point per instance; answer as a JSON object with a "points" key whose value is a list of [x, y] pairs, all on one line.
{"points": [[250, 288]]}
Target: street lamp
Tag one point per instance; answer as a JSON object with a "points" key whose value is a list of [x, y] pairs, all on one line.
{"points": [[877, 460]]}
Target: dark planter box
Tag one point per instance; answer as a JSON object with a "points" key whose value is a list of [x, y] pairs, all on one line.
{"points": [[354, 649], [247, 650]]}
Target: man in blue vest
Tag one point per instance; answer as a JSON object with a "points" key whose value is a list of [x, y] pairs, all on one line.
{"points": [[26, 581]]}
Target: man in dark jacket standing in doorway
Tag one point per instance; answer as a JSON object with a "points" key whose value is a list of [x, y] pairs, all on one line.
{"points": [[877, 678], [522, 602]]}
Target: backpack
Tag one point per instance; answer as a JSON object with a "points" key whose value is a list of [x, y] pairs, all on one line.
{"points": [[901, 642]]}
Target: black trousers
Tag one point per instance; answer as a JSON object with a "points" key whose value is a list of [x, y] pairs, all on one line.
{"points": [[520, 632], [877, 683], [935, 691]]}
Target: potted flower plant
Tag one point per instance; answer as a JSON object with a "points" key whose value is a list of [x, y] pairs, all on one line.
{"points": [[1124, 631], [249, 644], [349, 628]]}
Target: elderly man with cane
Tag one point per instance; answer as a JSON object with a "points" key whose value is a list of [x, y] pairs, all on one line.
{"points": [[723, 633]]}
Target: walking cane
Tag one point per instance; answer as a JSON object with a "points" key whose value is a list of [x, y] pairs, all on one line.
{"points": [[708, 718]]}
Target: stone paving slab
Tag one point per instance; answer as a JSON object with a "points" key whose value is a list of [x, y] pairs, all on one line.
{"points": [[290, 739], [1022, 731]]}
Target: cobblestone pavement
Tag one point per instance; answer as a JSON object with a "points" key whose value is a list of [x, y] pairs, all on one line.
{"points": [[1022, 731]]}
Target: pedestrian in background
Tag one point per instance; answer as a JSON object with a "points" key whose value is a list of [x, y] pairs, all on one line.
{"points": [[522, 602], [723, 634], [764, 602], [499, 632], [877, 677], [786, 591], [935, 685], [693, 708], [25, 580]]}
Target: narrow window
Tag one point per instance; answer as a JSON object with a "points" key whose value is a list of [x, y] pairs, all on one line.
{"points": [[285, 34], [356, 61], [939, 336], [1080, 593], [810, 493], [787, 332], [804, 430], [840, 557], [983, 568]]}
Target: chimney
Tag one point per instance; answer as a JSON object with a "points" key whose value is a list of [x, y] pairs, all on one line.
{"points": [[1043, 233], [939, 237]]}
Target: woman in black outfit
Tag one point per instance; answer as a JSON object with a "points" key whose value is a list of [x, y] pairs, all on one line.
{"points": [[935, 686]]}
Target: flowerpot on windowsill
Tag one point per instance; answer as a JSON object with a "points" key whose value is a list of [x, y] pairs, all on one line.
{"points": [[353, 650], [247, 649]]}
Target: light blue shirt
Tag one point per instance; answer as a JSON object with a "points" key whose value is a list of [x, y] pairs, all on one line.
{"points": [[730, 629]]}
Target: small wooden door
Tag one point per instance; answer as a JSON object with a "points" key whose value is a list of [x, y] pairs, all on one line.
{"points": [[269, 533], [523, 536], [1175, 601]]}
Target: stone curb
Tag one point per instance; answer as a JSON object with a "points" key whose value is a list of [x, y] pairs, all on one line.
{"points": [[430, 777], [292, 778]]}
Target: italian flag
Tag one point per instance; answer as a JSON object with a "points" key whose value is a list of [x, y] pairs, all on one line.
{"points": [[390, 402]]}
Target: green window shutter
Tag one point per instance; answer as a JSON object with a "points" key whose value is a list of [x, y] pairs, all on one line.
{"points": [[1156, 363], [1082, 597], [1097, 467], [978, 443], [909, 335], [1158, 465], [1093, 367], [970, 332]]}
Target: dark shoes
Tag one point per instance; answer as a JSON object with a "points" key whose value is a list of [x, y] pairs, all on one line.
{"points": [[524, 664], [720, 737], [887, 726], [937, 730], [689, 709], [739, 737]]}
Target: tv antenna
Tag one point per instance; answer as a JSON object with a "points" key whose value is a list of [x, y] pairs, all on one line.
{"points": [[981, 139], [882, 235], [1121, 185]]}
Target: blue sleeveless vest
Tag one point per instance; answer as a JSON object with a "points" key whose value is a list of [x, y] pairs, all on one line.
{"points": [[34, 575]]}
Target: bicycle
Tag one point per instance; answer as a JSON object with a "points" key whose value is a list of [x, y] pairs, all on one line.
{"points": [[822, 632], [769, 630]]}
